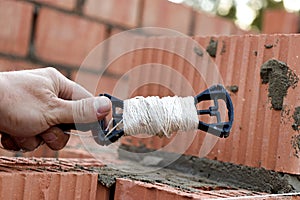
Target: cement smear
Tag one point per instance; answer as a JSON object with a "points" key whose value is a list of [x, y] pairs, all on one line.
{"points": [[279, 77], [202, 172], [296, 138]]}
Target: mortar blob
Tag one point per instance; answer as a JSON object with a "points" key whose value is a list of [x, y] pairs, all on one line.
{"points": [[280, 78]]}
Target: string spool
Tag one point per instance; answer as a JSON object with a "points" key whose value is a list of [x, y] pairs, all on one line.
{"points": [[159, 116]]}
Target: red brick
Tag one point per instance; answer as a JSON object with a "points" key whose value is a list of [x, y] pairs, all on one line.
{"points": [[17, 64], [128, 189], [206, 25], [138, 190], [24, 178], [162, 13], [15, 23], [123, 12], [94, 83], [64, 38], [14, 65], [65, 4], [102, 193], [121, 52], [261, 137], [280, 21]]}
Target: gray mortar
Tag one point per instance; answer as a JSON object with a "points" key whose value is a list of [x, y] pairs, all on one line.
{"points": [[198, 51], [202, 171], [279, 77], [296, 138], [296, 117], [212, 47], [174, 178], [233, 88], [296, 144]]}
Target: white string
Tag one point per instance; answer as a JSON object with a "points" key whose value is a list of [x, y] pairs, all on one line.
{"points": [[159, 116]]}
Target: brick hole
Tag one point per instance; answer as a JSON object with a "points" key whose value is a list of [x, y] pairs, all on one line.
{"points": [[213, 188]]}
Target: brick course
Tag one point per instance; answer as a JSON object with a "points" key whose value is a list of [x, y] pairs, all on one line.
{"points": [[65, 4], [161, 13], [121, 12], [64, 38], [15, 31]]}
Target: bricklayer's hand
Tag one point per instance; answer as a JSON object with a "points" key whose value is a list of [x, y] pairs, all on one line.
{"points": [[33, 102]]}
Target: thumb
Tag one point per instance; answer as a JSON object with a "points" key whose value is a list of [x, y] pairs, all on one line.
{"points": [[84, 110]]}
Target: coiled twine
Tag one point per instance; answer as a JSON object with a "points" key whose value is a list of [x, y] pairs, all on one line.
{"points": [[159, 116]]}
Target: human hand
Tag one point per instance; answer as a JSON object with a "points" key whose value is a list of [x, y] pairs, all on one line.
{"points": [[34, 102]]}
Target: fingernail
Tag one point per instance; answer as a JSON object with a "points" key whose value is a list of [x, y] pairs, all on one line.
{"points": [[50, 137], [102, 105]]}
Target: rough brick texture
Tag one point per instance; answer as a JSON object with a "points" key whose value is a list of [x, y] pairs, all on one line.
{"points": [[64, 38], [138, 190], [261, 137], [23, 178], [15, 23]]}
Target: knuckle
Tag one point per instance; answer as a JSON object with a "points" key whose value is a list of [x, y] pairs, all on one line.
{"points": [[52, 111], [82, 111], [52, 70]]}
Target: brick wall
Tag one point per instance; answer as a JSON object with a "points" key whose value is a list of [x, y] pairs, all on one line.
{"points": [[261, 136], [61, 33]]}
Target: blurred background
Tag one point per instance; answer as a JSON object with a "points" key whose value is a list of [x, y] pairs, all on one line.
{"points": [[247, 14]]}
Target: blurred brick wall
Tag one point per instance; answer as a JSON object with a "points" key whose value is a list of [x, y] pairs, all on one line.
{"points": [[280, 21], [61, 33]]}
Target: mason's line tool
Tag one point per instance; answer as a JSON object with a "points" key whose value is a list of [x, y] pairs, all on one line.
{"points": [[105, 135]]}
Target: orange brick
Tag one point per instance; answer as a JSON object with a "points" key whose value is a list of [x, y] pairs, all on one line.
{"points": [[161, 13], [65, 4], [64, 38], [15, 23], [123, 12]]}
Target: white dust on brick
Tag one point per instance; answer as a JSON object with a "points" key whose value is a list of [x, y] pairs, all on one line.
{"points": [[159, 116]]}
